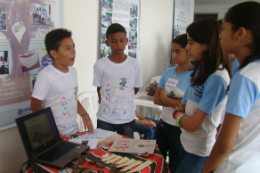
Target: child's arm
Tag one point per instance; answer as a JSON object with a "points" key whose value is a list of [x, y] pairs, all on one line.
{"points": [[85, 118], [224, 143], [143, 120], [99, 96], [169, 101], [136, 90], [157, 98], [36, 104]]}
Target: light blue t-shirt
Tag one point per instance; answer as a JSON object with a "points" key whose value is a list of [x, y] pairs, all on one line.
{"points": [[175, 84], [235, 65], [243, 101], [210, 98]]}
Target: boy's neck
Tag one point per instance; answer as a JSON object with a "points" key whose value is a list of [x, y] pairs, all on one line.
{"points": [[117, 58], [61, 68]]}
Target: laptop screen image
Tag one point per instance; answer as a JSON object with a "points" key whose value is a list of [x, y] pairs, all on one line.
{"points": [[38, 131]]}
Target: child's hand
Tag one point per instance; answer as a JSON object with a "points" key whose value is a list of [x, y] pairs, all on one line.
{"points": [[88, 123], [63, 137], [149, 123], [163, 93]]}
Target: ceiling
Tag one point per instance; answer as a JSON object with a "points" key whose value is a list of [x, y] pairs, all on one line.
{"points": [[219, 2]]}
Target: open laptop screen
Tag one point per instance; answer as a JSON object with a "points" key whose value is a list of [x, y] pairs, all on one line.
{"points": [[38, 131]]}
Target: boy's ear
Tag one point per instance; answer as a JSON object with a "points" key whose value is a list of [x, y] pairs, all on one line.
{"points": [[107, 43], [53, 54]]}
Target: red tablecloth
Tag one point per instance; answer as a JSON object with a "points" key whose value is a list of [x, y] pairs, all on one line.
{"points": [[157, 166]]}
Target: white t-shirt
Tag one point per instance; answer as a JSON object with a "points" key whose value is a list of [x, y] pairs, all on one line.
{"points": [[117, 82], [175, 84], [58, 90], [210, 98], [243, 101]]}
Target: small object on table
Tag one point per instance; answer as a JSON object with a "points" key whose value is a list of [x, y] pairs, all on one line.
{"points": [[88, 170], [105, 147], [74, 136], [113, 168], [99, 165], [100, 171], [77, 168], [81, 159], [93, 162], [121, 171], [84, 142]]}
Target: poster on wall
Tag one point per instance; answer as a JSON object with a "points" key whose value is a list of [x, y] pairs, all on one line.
{"points": [[126, 13], [181, 17], [23, 26]]}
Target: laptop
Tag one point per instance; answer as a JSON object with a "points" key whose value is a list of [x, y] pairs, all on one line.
{"points": [[42, 142]]}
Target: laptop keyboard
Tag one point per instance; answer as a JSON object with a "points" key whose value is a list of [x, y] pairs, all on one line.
{"points": [[57, 151]]}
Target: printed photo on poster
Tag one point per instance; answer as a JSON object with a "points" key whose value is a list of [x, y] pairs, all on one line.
{"points": [[106, 19], [107, 4], [4, 67], [132, 40], [133, 24], [32, 81], [105, 50], [3, 19], [40, 14], [103, 35], [29, 60], [45, 58], [132, 53], [181, 17], [133, 10]]}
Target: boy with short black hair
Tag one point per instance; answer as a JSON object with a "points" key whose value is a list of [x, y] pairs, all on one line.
{"points": [[117, 78], [57, 86]]}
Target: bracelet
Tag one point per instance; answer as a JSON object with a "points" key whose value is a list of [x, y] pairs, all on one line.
{"points": [[174, 112], [178, 114], [178, 121]]}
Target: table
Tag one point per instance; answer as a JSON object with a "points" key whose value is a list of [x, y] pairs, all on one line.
{"points": [[158, 165], [142, 99]]}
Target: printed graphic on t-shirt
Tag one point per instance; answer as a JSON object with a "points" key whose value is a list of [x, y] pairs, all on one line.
{"points": [[198, 90], [122, 83], [108, 91], [67, 107], [76, 90], [171, 94]]}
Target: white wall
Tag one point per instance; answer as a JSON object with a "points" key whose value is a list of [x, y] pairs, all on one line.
{"points": [[219, 9], [83, 18]]}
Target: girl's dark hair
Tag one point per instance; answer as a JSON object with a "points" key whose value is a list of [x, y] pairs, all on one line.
{"points": [[206, 31], [181, 40], [246, 15]]}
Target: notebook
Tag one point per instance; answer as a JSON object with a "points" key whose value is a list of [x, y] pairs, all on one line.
{"points": [[42, 142]]}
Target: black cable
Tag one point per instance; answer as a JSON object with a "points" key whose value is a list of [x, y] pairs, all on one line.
{"points": [[21, 171]]}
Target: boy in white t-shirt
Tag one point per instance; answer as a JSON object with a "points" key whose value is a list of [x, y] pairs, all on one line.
{"points": [[117, 78], [57, 86]]}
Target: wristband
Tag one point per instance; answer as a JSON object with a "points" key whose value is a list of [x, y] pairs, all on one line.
{"points": [[178, 120], [174, 112], [178, 114]]}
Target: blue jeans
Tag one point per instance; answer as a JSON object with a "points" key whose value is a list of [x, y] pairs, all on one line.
{"points": [[147, 131], [126, 129], [190, 163], [168, 140]]}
